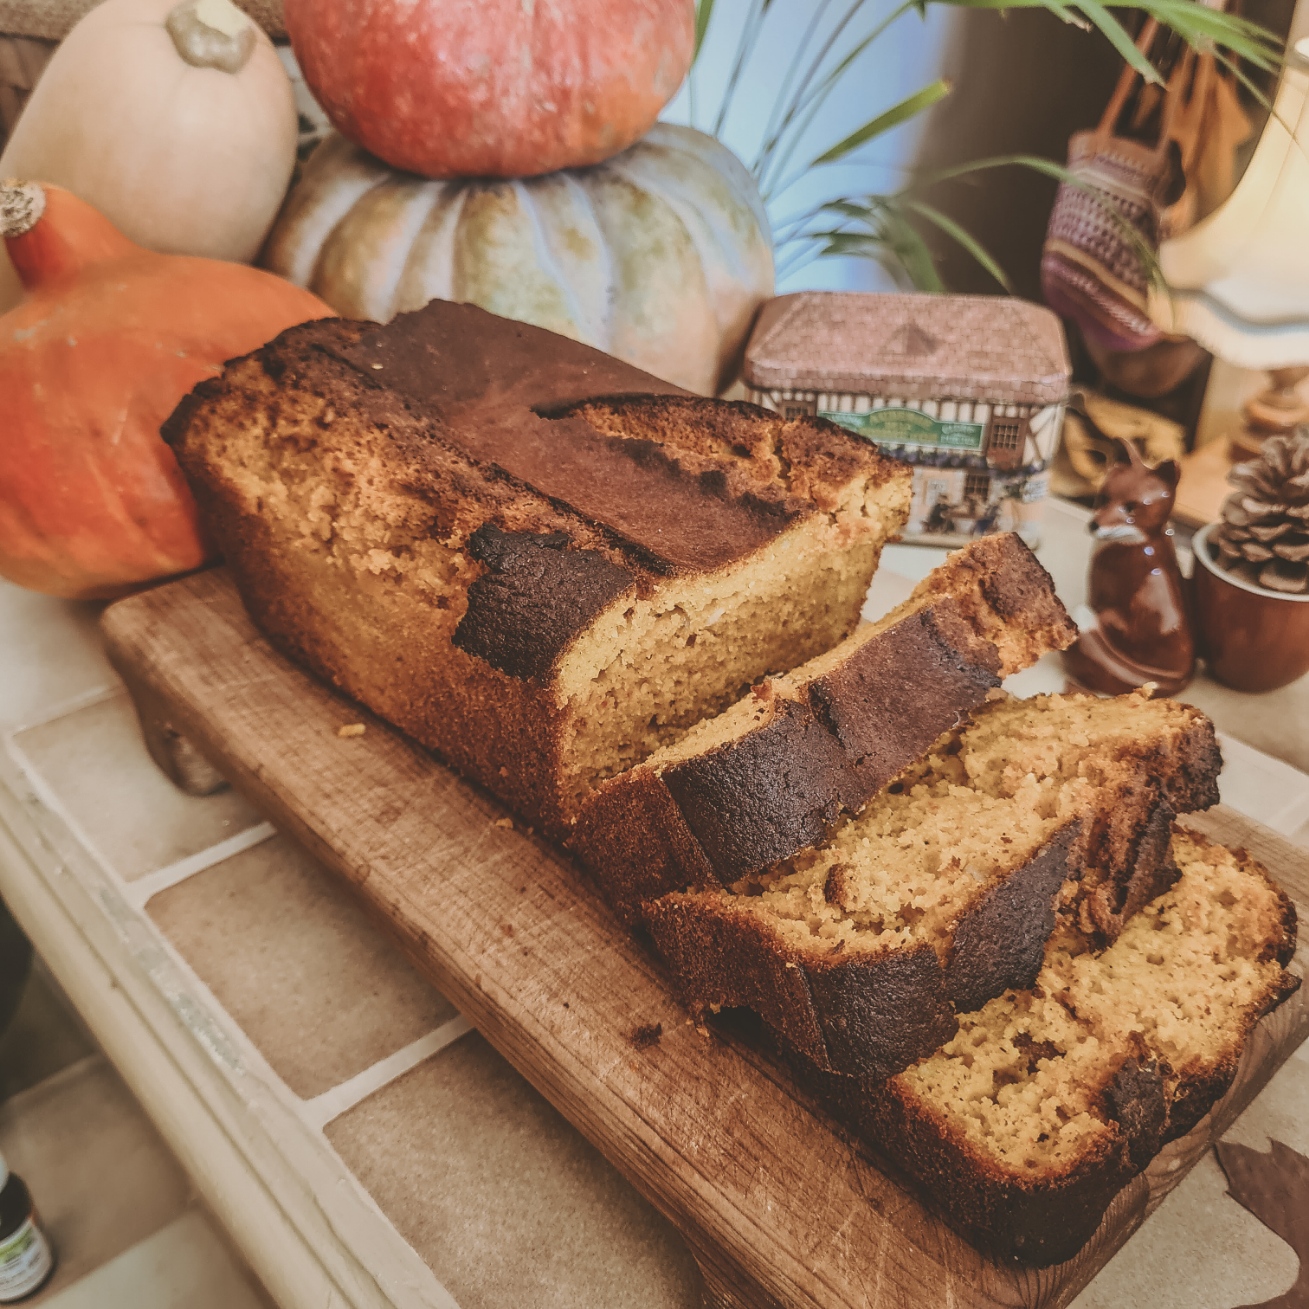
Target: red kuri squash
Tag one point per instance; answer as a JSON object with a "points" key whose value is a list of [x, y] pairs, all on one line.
{"points": [[107, 341], [492, 88]]}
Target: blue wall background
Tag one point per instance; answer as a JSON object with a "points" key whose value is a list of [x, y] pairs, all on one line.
{"points": [[907, 56]]}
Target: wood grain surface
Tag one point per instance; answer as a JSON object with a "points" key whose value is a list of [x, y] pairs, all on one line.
{"points": [[779, 1206]]}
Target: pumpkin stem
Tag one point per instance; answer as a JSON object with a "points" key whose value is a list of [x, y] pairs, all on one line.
{"points": [[51, 234], [21, 207], [211, 34]]}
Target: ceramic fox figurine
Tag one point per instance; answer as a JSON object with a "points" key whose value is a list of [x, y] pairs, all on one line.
{"points": [[1138, 629]]}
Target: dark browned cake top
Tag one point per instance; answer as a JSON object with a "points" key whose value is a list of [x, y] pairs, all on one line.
{"points": [[571, 476], [499, 391], [449, 357]]}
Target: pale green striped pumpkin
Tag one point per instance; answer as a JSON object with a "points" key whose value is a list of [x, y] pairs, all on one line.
{"points": [[660, 256]]}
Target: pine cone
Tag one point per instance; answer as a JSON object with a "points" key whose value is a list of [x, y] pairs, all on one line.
{"points": [[1264, 535]]}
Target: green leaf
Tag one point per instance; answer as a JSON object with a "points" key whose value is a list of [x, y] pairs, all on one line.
{"points": [[1206, 28], [887, 227], [745, 47], [1233, 66], [883, 122], [963, 237], [913, 253], [803, 97], [801, 100], [703, 12], [849, 208], [1195, 23], [1034, 162], [847, 243]]}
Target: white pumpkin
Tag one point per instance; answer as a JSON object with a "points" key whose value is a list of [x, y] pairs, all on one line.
{"points": [[661, 255], [175, 120]]}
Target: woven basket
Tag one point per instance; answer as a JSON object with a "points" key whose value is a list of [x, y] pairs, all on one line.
{"points": [[30, 30]]}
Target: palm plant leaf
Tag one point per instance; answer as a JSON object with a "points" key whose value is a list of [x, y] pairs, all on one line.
{"points": [[704, 11], [962, 237], [908, 108]]}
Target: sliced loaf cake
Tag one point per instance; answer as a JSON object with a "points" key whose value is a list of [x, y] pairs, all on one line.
{"points": [[770, 776], [942, 893], [1023, 1127], [440, 517]]}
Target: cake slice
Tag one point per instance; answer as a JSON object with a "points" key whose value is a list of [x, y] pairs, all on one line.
{"points": [[447, 519], [942, 893], [1024, 1126], [771, 775]]}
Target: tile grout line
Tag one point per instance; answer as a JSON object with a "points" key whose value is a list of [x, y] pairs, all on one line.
{"points": [[46, 794], [322, 1109], [17, 1103], [141, 890], [74, 704], [158, 880]]}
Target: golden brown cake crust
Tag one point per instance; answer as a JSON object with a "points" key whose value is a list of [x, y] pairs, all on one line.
{"points": [[1039, 1223], [1127, 838], [833, 1010], [422, 515]]}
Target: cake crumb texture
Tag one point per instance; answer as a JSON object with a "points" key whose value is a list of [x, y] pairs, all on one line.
{"points": [[1032, 809], [771, 775], [1046, 1101]]}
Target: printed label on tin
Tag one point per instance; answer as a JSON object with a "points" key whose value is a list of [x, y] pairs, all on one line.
{"points": [[25, 1260], [910, 427]]}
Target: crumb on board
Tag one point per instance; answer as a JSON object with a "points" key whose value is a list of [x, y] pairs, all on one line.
{"points": [[351, 729], [503, 822]]}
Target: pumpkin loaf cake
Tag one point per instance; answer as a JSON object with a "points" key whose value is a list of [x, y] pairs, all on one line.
{"points": [[770, 775], [530, 557], [1023, 1127], [943, 892]]}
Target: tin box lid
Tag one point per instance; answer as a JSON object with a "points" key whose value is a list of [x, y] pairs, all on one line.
{"points": [[961, 347]]}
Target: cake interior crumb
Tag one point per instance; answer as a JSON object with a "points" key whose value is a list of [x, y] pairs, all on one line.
{"points": [[954, 826], [1023, 1080]]}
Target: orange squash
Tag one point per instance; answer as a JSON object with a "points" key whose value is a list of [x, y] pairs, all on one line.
{"points": [[108, 339], [492, 88]]}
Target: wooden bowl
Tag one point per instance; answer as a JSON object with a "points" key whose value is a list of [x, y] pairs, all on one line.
{"points": [[1252, 639]]}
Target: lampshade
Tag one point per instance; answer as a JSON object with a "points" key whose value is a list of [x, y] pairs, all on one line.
{"points": [[1238, 282]]}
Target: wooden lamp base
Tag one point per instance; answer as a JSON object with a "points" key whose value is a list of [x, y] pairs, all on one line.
{"points": [[1278, 410]]}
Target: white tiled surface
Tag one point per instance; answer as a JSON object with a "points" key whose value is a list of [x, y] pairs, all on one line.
{"points": [[82, 778], [181, 1266], [50, 654], [87, 761], [116, 1205]]}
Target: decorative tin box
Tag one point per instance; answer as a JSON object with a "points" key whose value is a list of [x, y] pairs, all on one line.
{"points": [[968, 389]]}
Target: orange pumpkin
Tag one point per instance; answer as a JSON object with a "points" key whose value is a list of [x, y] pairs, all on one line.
{"points": [[492, 88], [108, 339]]}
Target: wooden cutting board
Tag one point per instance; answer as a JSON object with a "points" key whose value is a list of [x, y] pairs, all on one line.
{"points": [[779, 1206]]}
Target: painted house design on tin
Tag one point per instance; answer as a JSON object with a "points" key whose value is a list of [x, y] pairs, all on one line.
{"points": [[970, 390]]}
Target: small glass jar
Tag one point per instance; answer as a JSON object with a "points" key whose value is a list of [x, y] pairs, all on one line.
{"points": [[26, 1259]]}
